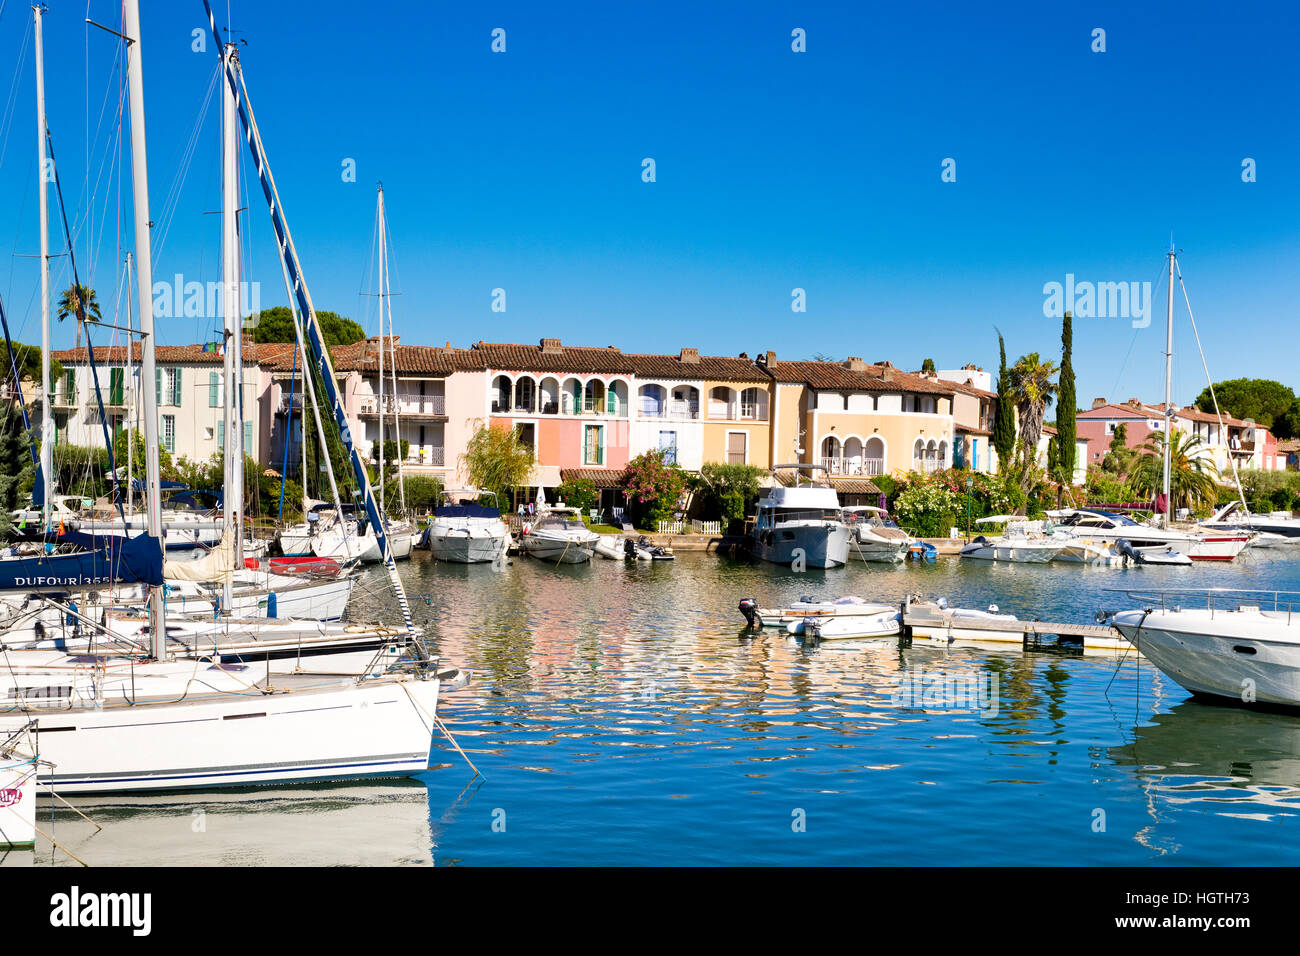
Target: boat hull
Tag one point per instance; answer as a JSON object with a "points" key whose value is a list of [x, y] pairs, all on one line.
{"points": [[558, 550], [817, 546], [355, 731], [462, 548]]}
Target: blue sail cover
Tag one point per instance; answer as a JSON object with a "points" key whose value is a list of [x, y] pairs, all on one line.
{"points": [[105, 559]]}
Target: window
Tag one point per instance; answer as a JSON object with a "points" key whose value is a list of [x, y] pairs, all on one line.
{"points": [[668, 445], [116, 386], [169, 433], [248, 438], [70, 387], [527, 435], [174, 386], [593, 446], [749, 403], [736, 447], [214, 390]]}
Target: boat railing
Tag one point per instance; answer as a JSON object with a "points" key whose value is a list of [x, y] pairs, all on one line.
{"points": [[1220, 599], [811, 514]]}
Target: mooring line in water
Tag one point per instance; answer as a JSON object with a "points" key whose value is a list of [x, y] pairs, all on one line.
{"points": [[61, 847], [443, 727]]}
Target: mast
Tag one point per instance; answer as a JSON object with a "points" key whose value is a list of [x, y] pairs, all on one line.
{"points": [[42, 157], [132, 408], [234, 366], [1169, 374], [144, 277], [382, 490], [392, 345]]}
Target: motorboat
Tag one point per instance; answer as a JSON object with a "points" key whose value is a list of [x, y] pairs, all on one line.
{"points": [[883, 623], [805, 609], [464, 531], [1241, 645], [1106, 528], [1234, 516], [873, 536], [801, 524], [1018, 545], [935, 622], [347, 540], [559, 534]]}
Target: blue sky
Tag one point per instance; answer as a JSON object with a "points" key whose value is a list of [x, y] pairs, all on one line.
{"points": [[774, 170]]}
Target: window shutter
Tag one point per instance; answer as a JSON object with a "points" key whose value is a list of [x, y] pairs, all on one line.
{"points": [[611, 403], [157, 382], [176, 387], [214, 390], [221, 434], [248, 437]]}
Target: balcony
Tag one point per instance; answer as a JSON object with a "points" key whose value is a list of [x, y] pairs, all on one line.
{"points": [[855, 466], [673, 409], [928, 465], [736, 411], [294, 406], [415, 408]]}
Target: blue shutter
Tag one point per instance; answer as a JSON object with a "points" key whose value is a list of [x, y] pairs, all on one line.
{"points": [[214, 390], [248, 437], [221, 434], [176, 387], [157, 384]]}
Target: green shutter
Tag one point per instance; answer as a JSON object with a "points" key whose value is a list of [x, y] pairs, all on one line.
{"points": [[157, 384], [116, 386], [221, 434], [600, 446], [611, 402], [214, 390], [72, 386], [176, 388], [248, 437]]}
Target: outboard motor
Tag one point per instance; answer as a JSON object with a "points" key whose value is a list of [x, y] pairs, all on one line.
{"points": [[629, 549], [749, 608], [1125, 547]]}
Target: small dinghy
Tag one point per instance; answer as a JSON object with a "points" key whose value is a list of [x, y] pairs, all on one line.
{"points": [[882, 626], [807, 608]]}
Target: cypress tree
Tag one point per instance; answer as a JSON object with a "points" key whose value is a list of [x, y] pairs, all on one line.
{"points": [[1004, 423], [1066, 432]]}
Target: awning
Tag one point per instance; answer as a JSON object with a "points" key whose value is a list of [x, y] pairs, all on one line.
{"points": [[600, 477]]}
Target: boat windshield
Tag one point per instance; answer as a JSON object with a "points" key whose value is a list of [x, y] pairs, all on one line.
{"points": [[561, 522]]}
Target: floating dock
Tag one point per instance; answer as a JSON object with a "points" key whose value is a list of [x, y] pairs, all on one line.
{"points": [[926, 622]]}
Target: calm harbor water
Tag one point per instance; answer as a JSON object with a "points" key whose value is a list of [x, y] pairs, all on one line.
{"points": [[620, 716]]}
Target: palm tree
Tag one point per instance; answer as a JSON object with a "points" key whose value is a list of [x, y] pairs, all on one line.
{"points": [[1032, 388], [79, 302], [1193, 476]]}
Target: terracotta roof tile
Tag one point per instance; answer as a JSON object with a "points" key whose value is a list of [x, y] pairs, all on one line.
{"points": [[871, 378]]}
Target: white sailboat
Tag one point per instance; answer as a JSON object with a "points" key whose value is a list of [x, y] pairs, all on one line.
{"points": [[113, 722]]}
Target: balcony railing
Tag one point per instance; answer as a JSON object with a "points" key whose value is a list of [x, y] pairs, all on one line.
{"points": [[412, 405], [673, 409], [929, 464], [737, 411], [854, 465]]}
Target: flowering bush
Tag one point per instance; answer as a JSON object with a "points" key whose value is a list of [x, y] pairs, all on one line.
{"points": [[926, 507], [653, 488]]}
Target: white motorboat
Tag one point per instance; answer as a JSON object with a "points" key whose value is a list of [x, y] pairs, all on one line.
{"points": [[801, 524], [355, 541], [874, 537], [466, 532], [1277, 528], [1018, 545], [934, 622], [1242, 646], [559, 535], [1107, 529], [883, 624], [807, 608]]}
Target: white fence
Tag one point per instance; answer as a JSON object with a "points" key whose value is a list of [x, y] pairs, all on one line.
{"points": [[670, 527], [706, 527]]}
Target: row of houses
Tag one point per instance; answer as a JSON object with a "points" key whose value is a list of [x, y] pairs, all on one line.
{"points": [[587, 411]]}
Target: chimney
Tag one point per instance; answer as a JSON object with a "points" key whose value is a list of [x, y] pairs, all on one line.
{"points": [[551, 347], [1134, 403], [372, 347], [855, 364], [887, 373], [689, 356], [770, 359], [885, 364], [1099, 402]]}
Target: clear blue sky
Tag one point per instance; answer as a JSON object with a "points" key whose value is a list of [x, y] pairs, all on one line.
{"points": [[775, 170]]}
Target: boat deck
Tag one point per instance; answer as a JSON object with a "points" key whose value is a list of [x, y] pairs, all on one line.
{"points": [[1027, 633]]}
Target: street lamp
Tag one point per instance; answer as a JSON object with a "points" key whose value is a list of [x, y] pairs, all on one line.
{"points": [[970, 480]]}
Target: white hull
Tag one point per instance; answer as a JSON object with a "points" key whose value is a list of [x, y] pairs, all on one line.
{"points": [[1012, 551], [817, 545], [882, 627], [335, 731], [888, 551], [1244, 655], [468, 542], [560, 548], [18, 797]]}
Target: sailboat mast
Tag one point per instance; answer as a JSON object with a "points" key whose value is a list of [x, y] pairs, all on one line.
{"points": [[133, 407], [383, 492], [392, 365], [1169, 374], [234, 452], [47, 417], [144, 298]]}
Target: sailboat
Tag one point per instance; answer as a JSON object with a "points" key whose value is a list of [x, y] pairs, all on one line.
{"points": [[112, 721]]}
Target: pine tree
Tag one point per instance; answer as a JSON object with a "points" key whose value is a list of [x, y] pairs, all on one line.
{"points": [[1004, 423], [1066, 431]]}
